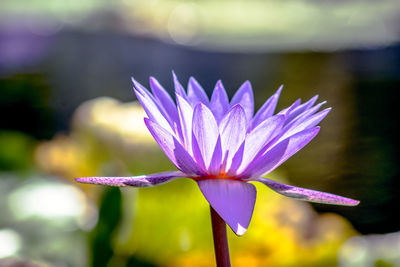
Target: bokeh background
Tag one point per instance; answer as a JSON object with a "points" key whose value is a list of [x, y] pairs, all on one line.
{"points": [[67, 110]]}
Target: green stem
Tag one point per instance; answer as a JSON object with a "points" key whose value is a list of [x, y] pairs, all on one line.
{"points": [[220, 240]]}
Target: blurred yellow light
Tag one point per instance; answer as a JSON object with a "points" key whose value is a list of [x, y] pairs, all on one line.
{"points": [[107, 116]]}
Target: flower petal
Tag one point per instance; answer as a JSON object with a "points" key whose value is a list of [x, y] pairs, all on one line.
{"points": [[265, 163], [307, 194], [205, 133], [302, 125], [233, 132], [301, 108], [287, 110], [173, 149], [151, 107], [244, 96], [196, 93], [136, 181], [266, 110], [178, 87], [233, 200], [236, 161], [297, 142], [185, 112], [259, 137], [219, 103], [216, 160], [164, 99], [303, 116], [279, 153]]}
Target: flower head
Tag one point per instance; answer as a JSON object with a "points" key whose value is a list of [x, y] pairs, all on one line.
{"points": [[223, 146]]}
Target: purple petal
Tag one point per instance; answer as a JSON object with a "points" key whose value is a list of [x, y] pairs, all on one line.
{"points": [[185, 112], [303, 116], [296, 142], [178, 87], [205, 133], [216, 159], [197, 154], [236, 160], [244, 96], [173, 149], [136, 181], [306, 124], [233, 132], [300, 109], [279, 153], [233, 200], [164, 99], [150, 106], [307, 194], [219, 103], [287, 110], [258, 138], [196, 93], [267, 110], [265, 163]]}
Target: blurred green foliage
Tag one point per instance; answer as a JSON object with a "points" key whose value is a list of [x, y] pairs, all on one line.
{"points": [[383, 263], [17, 151], [102, 235]]}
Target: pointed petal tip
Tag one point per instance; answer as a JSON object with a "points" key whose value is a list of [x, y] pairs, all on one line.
{"points": [[240, 230], [109, 181], [148, 180], [247, 82], [219, 85], [236, 107], [307, 194], [175, 77], [135, 82], [152, 79], [246, 85], [355, 203], [200, 107], [193, 80], [137, 86], [339, 201]]}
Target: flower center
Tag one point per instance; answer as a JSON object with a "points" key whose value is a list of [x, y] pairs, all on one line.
{"points": [[221, 175]]}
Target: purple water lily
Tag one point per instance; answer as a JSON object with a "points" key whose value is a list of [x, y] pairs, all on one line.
{"points": [[223, 146]]}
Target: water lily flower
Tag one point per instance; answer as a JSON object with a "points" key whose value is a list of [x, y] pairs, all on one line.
{"points": [[223, 145]]}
